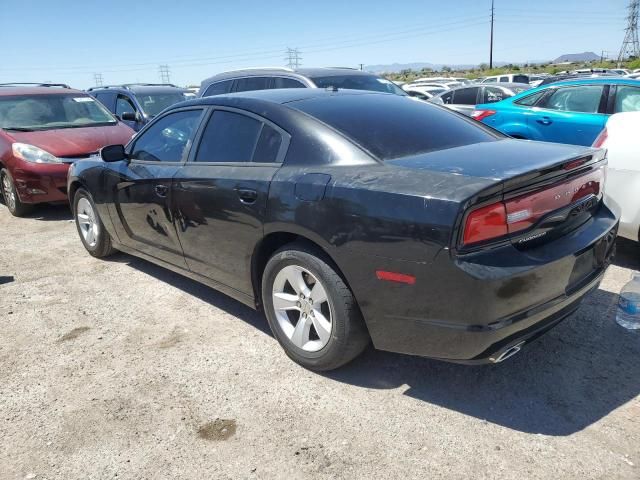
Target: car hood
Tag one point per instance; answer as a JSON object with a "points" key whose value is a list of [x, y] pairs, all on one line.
{"points": [[71, 142], [499, 160]]}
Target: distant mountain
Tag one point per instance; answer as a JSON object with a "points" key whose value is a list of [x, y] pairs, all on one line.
{"points": [[577, 57], [417, 66]]}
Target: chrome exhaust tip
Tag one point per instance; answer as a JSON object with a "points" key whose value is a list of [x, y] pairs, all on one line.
{"points": [[507, 353]]}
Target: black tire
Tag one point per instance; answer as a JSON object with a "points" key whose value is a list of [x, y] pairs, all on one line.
{"points": [[102, 246], [349, 335], [15, 207]]}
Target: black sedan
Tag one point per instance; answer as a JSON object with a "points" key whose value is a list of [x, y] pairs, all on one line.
{"points": [[353, 216]]}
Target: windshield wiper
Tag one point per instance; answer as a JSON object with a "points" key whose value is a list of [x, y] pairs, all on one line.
{"points": [[20, 129]]}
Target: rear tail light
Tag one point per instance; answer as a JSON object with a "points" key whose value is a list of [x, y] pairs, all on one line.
{"points": [[523, 212], [482, 114], [601, 139]]}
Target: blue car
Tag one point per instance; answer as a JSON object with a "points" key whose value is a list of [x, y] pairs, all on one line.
{"points": [[565, 112]]}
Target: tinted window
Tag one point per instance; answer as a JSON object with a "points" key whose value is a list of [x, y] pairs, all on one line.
{"points": [[582, 98], [168, 138], [390, 127], [281, 82], [627, 99], [218, 88], [233, 137], [494, 94], [268, 145], [358, 82], [531, 100], [504, 79], [447, 98], [105, 99], [124, 105], [251, 83], [520, 79], [465, 96]]}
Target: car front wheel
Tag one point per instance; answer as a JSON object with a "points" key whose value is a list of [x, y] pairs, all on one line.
{"points": [[94, 237], [10, 195], [311, 311]]}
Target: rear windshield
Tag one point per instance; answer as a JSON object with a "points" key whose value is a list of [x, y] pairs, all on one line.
{"points": [[48, 112], [358, 82], [392, 127]]}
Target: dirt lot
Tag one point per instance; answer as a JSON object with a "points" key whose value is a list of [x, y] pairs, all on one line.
{"points": [[121, 369]]}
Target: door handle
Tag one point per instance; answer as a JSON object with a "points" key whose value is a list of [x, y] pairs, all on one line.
{"points": [[161, 190], [544, 121], [247, 195]]}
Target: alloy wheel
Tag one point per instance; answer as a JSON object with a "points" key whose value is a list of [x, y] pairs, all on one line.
{"points": [[302, 308], [87, 221], [8, 192]]}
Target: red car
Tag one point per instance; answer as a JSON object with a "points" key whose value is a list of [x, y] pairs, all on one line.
{"points": [[43, 130]]}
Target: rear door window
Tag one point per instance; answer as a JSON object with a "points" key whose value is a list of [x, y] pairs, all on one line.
{"points": [[627, 99], [233, 137], [504, 79], [580, 98], [218, 88], [447, 98], [465, 96], [281, 82], [493, 94], [251, 83]]}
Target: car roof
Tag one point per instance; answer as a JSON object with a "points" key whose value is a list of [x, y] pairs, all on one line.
{"points": [[140, 88], [596, 80], [279, 96], [283, 71], [9, 91]]}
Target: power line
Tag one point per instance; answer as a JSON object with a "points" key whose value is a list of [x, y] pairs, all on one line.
{"points": [[630, 47], [164, 73]]}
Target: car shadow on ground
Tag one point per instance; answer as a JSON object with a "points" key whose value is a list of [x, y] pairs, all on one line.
{"points": [[560, 384], [196, 289], [47, 212]]}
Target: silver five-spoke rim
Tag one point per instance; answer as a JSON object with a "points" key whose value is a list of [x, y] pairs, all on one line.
{"points": [[302, 308], [7, 190], [87, 222]]}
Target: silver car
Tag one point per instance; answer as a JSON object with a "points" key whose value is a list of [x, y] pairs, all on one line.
{"points": [[464, 99]]}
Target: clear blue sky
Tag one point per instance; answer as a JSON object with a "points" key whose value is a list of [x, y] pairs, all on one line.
{"points": [[68, 41]]}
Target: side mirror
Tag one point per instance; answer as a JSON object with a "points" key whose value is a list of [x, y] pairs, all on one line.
{"points": [[131, 116], [113, 153]]}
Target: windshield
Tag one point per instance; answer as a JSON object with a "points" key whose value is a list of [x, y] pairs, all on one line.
{"points": [[153, 104], [48, 112], [359, 82]]}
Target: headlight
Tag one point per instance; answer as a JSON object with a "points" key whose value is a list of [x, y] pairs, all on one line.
{"points": [[30, 153]]}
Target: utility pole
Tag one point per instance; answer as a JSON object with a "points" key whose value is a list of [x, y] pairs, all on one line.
{"points": [[292, 57], [491, 42], [630, 45], [164, 73], [97, 77], [361, 66]]}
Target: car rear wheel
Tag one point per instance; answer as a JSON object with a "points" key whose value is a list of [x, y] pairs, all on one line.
{"points": [[311, 311], [95, 238], [10, 195]]}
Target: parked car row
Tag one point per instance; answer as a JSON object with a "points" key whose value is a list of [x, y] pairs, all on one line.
{"points": [[331, 205]]}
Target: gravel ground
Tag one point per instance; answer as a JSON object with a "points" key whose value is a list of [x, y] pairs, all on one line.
{"points": [[122, 369]]}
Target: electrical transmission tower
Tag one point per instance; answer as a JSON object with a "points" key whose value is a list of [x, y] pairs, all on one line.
{"points": [[97, 77], [630, 46], [293, 57], [164, 74]]}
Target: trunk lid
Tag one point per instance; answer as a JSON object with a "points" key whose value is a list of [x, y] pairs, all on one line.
{"points": [[541, 191]]}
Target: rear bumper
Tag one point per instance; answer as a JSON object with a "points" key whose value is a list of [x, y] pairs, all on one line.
{"points": [[471, 309], [41, 183]]}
